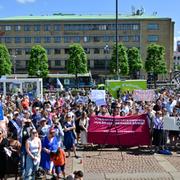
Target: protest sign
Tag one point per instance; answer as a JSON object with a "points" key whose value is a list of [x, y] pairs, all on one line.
{"points": [[143, 95], [172, 123], [1, 112], [98, 96], [115, 130]]}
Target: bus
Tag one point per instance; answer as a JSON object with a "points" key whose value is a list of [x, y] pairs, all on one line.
{"points": [[68, 81]]}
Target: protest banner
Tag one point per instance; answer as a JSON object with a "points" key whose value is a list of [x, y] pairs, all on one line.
{"points": [[1, 112], [143, 95], [98, 96], [115, 130], [172, 123]]}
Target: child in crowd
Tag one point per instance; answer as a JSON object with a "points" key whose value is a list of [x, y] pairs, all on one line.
{"points": [[59, 160]]}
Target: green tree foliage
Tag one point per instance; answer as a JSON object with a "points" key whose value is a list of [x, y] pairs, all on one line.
{"points": [[134, 61], [5, 61], [77, 61], [155, 61], [122, 65], [38, 63]]}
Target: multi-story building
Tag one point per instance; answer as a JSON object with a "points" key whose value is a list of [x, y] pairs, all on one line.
{"points": [[176, 60], [95, 33]]}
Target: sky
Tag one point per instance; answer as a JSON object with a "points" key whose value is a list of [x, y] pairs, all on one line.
{"points": [[164, 8]]}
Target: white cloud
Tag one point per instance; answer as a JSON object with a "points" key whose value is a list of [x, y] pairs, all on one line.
{"points": [[25, 1]]}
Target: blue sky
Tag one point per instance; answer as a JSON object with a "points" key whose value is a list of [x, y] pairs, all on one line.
{"points": [[163, 8]]}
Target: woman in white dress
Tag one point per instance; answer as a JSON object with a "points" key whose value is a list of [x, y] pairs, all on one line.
{"points": [[83, 123]]}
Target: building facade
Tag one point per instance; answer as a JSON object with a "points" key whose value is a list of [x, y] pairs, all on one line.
{"points": [[95, 33]]}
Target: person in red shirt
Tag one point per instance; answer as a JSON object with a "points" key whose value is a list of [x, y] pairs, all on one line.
{"points": [[59, 160]]}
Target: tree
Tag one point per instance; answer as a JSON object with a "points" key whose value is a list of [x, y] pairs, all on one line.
{"points": [[134, 61], [5, 61], [155, 61], [122, 65], [38, 63], [77, 61]]}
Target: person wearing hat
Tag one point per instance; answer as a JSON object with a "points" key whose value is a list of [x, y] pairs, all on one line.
{"points": [[14, 127], [33, 149], [69, 135], [43, 128], [49, 144]]}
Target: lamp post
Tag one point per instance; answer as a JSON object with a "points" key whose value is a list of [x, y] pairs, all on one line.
{"points": [[117, 64], [14, 63], [106, 51]]}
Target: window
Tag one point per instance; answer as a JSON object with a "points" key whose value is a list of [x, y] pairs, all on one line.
{"points": [[7, 28], [57, 27], [66, 50], [37, 39], [135, 27], [18, 51], [153, 26], [96, 51], [125, 38], [27, 27], [27, 39], [17, 27], [67, 39], [135, 38], [106, 38], [178, 57], [27, 51], [86, 39], [37, 27], [47, 27], [57, 51], [48, 51], [87, 50], [96, 39], [57, 63], [10, 51], [57, 39], [153, 38], [99, 64], [8, 39], [47, 39], [76, 39], [18, 39]]}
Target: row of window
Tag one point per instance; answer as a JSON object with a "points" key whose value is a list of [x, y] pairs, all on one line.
{"points": [[69, 39], [57, 51], [98, 63], [76, 39], [176, 57], [77, 27]]}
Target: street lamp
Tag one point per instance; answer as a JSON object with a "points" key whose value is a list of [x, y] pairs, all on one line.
{"points": [[14, 63], [117, 70], [106, 51]]}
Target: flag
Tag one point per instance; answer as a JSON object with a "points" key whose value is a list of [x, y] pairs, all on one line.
{"points": [[1, 112], [59, 84]]}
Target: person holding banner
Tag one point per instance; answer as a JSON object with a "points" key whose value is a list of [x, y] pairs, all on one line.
{"points": [[158, 131]]}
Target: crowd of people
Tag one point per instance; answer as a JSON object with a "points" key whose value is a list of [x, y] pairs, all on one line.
{"points": [[46, 130]]}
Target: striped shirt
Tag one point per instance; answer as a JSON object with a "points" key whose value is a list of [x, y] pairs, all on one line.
{"points": [[158, 123]]}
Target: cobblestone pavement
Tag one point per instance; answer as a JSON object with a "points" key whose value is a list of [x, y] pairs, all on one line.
{"points": [[112, 164]]}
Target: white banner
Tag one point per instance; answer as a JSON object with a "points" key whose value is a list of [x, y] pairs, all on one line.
{"points": [[99, 97], [143, 95], [172, 123]]}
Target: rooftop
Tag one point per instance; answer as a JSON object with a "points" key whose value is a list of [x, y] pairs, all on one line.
{"points": [[79, 17]]}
